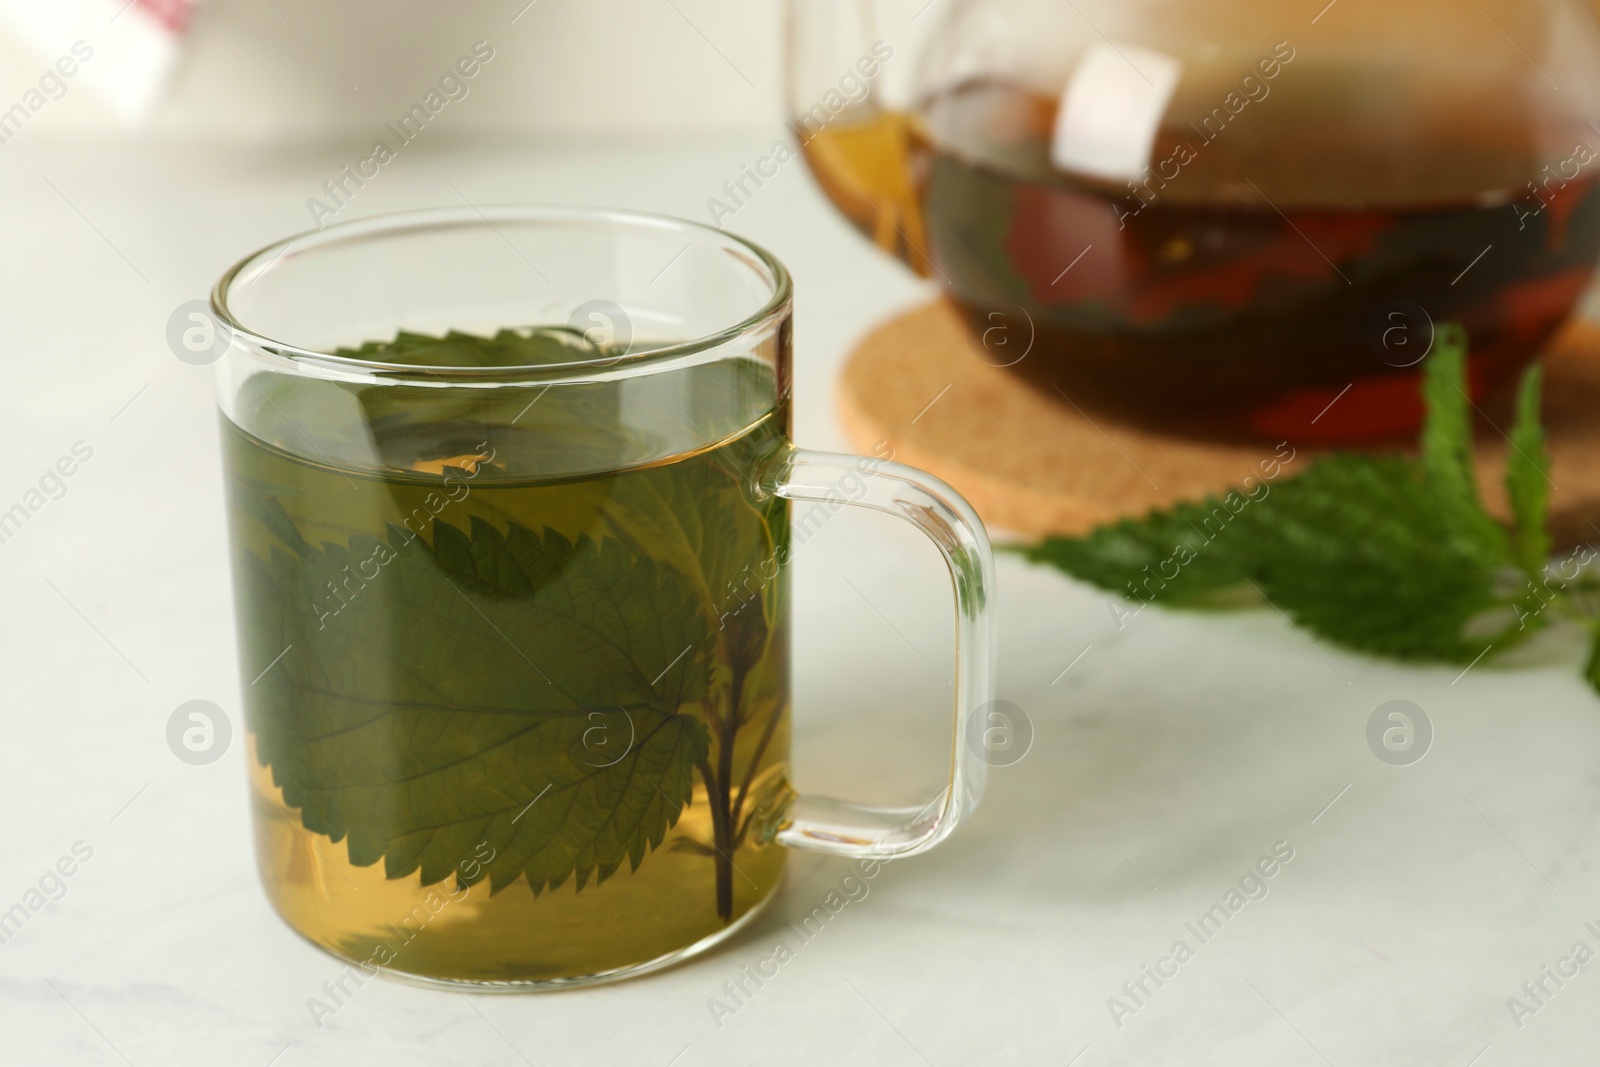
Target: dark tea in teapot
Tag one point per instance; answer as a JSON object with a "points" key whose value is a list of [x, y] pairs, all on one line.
{"points": [[1264, 249]]}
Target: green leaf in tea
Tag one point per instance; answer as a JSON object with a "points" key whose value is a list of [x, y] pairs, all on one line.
{"points": [[720, 555], [480, 699], [523, 633], [732, 561], [539, 347]]}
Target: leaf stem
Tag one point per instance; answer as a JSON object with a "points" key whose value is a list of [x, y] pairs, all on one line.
{"points": [[750, 771], [717, 797], [725, 843]]}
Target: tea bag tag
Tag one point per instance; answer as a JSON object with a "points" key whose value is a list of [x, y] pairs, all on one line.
{"points": [[1111, 110]]}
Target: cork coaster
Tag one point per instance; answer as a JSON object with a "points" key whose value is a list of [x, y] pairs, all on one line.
{"points": [[1033, 465]]}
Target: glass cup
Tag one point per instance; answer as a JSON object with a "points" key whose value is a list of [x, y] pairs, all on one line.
{"points": [[510, 499]]}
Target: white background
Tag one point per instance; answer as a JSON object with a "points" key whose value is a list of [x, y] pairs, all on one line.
{"points": [[256, 72]]}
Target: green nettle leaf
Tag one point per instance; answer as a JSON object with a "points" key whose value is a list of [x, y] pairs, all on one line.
{"points": [[699, 524], [1384, 554], [1167, 555], [1356, 549], [723, 554], [479, 699], [1591, 666], [558, 700], [1527, 480], [541, 346], [1448, 473]]}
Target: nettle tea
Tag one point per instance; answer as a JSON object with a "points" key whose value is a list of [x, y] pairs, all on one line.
{"points": [[523, 704], [513, 603]]}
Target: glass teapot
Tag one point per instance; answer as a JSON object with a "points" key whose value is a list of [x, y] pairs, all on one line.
{"points": [[1220, 216]]}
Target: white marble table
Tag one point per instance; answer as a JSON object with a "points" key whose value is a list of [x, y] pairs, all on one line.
{"points": [[1169, 758]]}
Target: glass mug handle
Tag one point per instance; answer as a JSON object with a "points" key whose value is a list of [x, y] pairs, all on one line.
{"points": [[844, 828]]}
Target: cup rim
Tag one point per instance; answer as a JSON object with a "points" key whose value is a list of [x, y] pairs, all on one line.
{"points": [[773, 309]]}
